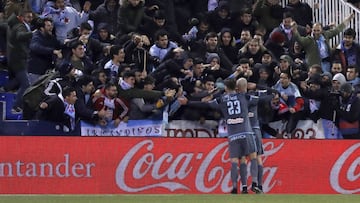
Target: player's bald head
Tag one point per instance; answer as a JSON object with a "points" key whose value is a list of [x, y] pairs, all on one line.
{"points": [[241, 85]]}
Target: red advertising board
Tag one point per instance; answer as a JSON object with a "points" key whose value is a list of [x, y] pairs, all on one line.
{"points": [[120, 165]]}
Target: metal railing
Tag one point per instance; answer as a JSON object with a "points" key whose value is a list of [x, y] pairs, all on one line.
{"points": [[333, 12]]}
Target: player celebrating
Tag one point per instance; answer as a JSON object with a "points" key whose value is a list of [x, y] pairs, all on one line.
{"points": [[234, 107], [241, 85]]}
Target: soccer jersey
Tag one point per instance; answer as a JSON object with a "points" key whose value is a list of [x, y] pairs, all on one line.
{"points": [[253, 113], [234, 108]]}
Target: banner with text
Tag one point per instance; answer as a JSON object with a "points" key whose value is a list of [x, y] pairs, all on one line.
{"points": [[126, 165], [130, 128]]}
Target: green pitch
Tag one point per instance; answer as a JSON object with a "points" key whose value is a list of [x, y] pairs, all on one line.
{"points": [[251, 198]]}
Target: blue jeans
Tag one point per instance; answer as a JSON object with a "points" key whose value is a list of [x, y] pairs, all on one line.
{"points": [[22, 79]]}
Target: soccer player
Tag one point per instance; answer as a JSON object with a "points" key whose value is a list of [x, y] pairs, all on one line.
{"points": [[234, 107], [241, 85]]}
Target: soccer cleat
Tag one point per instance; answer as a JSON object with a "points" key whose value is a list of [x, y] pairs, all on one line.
{"points": [[256, 189], [234, 191], [244, 190]]}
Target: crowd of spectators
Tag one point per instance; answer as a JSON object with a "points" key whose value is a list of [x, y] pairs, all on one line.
{"points": [[134, 59]]}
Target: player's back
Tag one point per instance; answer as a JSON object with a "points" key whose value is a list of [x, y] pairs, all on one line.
{"points": [[235, 111]]}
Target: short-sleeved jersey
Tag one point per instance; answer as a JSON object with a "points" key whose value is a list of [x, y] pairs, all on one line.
{"points": [[234, 108]]}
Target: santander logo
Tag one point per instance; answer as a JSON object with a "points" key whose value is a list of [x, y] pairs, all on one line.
{"points": [[144, 168], [340, 168]]}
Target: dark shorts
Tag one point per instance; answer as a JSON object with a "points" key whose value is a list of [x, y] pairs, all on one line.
{"points": [[258, 141], [243, 145]]}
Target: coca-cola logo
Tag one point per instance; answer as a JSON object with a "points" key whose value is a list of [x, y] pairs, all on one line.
{"points": [[340, 168], [143, 168]]}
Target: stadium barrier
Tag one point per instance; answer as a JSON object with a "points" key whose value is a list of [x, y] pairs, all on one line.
{"points": [[143, 165]]}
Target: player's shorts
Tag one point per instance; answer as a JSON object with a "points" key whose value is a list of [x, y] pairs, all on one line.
{"points": [[241, 145], [258, 141]]}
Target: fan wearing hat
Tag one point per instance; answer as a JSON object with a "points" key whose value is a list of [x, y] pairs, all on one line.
{"points": [[275, 44], [285, 29], [285, 63], [215, 68], [337, 81], [156, 23], [348, 112], [220, 17]]}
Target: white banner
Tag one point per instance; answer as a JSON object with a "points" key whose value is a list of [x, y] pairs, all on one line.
{"points": [[305, 129], [131, 128], [184, 128]]}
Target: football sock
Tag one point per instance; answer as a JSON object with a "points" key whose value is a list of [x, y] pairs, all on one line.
{"points": [[243, 174], [234, 174], [254, 171], [260, 174]]}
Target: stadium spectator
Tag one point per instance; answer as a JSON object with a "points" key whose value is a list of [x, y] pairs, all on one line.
{"points": [[285, 30], [228, 44], [149, 109], [103, 34], [93, 48], [204, 91], [79, 59], [127, 89], [292, 103], [348, 51], [220, 17], [348, 112], [112, 67], [245, 37], [60, 109], [200, 28], [162, 45], [116, 109], [18, 40], [313, 93], [210, 45], [45, 50], [83, 105], [191, 83], [106, 13], [252, 50], [336, 67], [301, 11], [215, 68], [275, 44], [316, 45], [66, 18], [137, 54], [352, 77], [268, 13], [158, 22], [130, 16], [243, 20]]}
